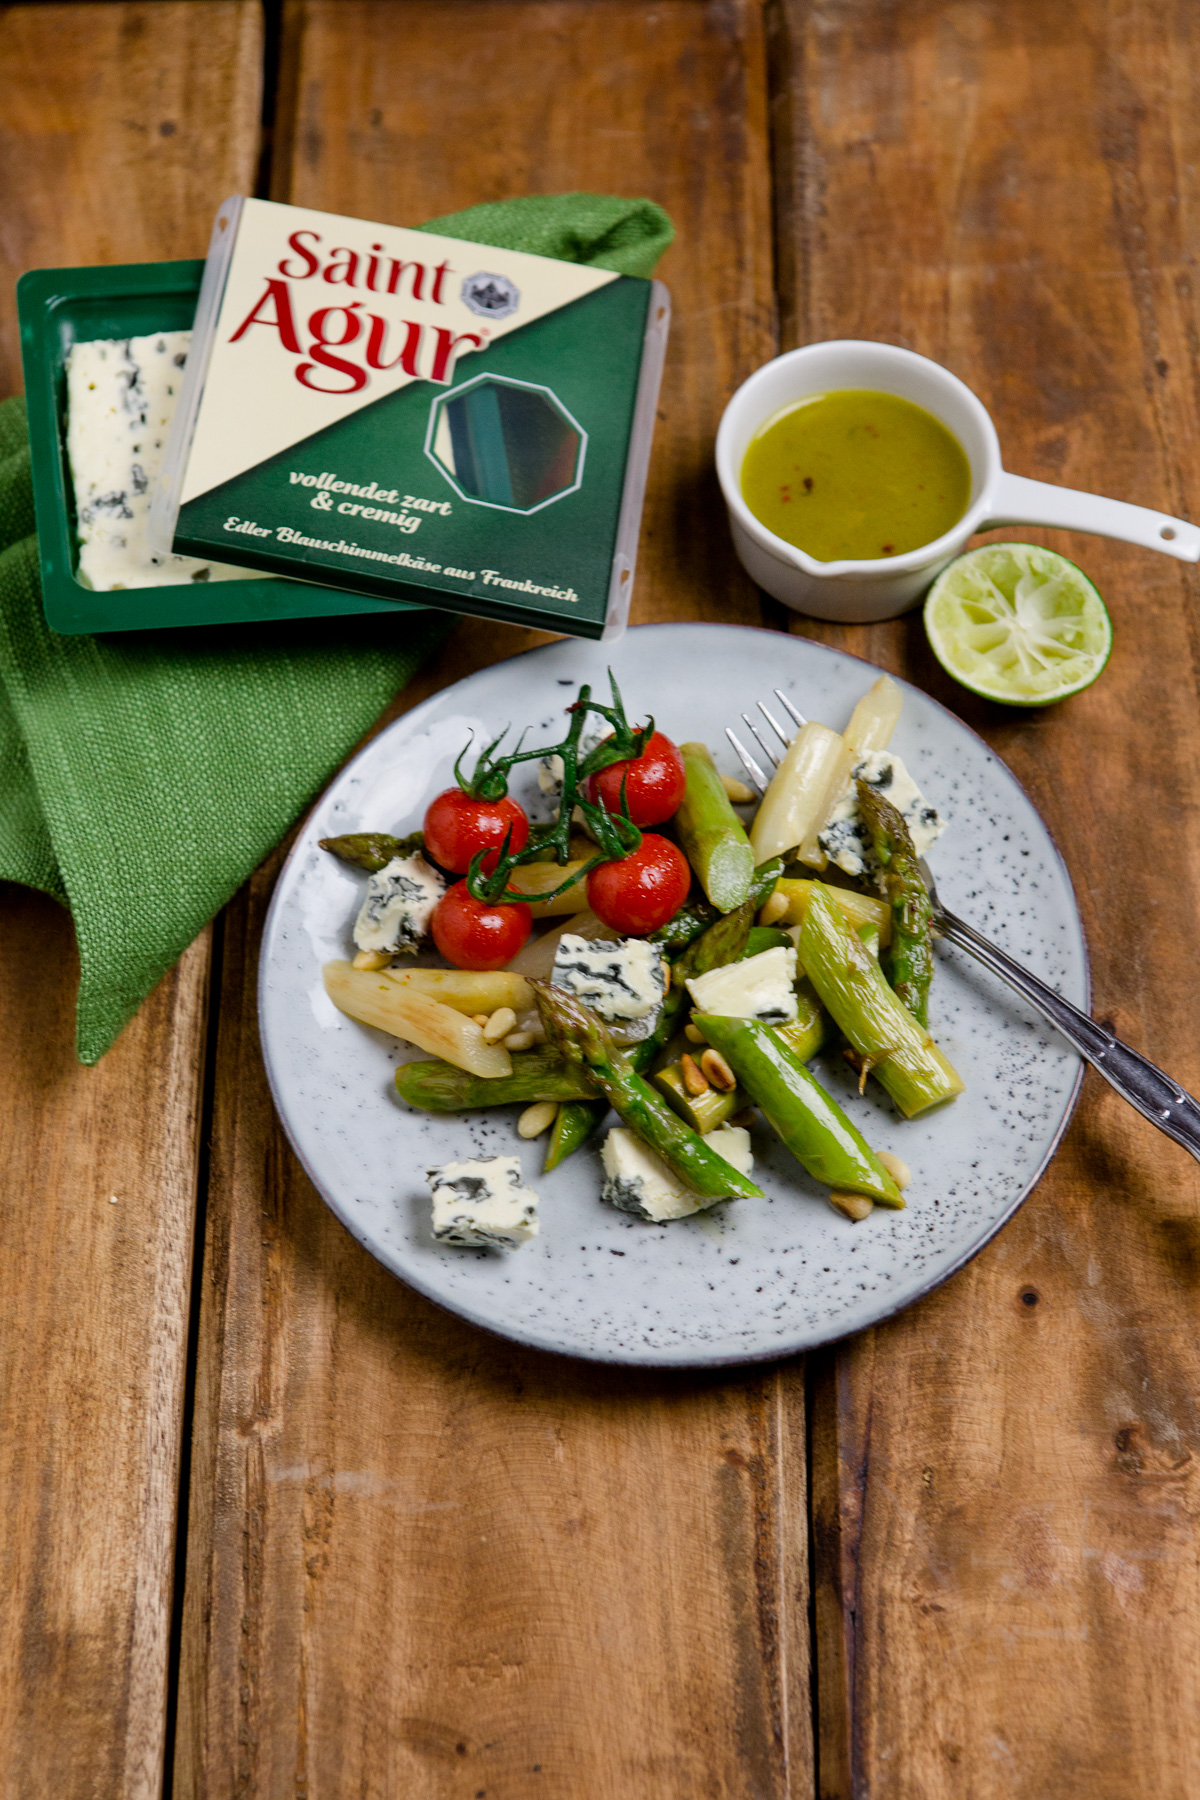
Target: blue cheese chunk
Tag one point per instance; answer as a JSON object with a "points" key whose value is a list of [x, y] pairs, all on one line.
{"points": [[639, 1182], [121, 396], [846, 841], [761, 987], [399, 905], [483, 1203], [623, 982]]}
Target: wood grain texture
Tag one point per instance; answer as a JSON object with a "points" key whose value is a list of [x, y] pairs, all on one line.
{"points": [[120, 128], [423, 1561], [1005, 1499], [92, 1336]]}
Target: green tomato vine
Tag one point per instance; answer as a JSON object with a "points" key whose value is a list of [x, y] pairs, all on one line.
{"points": [[616, 834]]}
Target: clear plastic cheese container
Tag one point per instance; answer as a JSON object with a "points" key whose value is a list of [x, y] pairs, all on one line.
{"points": [[61, 307]]}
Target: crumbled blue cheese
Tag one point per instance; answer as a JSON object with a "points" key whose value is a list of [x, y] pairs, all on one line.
{"points": [[121, 396], [399, 905], [761, 987], [846, 841], [623, 982], [639, 1182], [483, 1203]]}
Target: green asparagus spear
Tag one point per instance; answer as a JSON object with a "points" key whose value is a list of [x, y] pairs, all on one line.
{"points": [[703, 1112], [711, 833], [765, 937], [909, 961], [809, 1029], [373, 850], [574, 1123], [539, 1074], [810, 1122], [695, 916], [860, 909], [583, 1038], [852, 986], [869, 935]]}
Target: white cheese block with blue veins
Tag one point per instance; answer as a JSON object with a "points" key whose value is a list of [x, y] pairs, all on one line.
{"points": [[483, 1203], [761, 987], [623, 982], [121, 397], [846, 841], [397, 911], [639, 1182]]}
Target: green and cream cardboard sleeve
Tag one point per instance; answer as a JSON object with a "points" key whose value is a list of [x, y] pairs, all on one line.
{"points": [[381, 409]]}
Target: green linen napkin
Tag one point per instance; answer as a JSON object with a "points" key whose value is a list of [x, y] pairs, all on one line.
{"points": [[144, 776]]}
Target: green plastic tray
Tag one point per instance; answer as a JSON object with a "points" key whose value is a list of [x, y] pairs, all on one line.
{"points": [[60, 307]]}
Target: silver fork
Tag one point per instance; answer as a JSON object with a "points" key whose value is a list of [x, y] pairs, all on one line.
{"points": [[757, 777], [1139, 1081]]}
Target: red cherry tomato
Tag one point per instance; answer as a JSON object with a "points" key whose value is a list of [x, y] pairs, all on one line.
{"points": [[644, 890], [654, 783], [474, 934], [457, 825]]}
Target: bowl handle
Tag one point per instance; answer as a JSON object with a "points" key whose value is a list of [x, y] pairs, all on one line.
{"points": [[1016, 501]]}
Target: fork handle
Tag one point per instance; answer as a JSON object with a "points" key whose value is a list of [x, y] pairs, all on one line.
{"points": [[1135, 1078]]}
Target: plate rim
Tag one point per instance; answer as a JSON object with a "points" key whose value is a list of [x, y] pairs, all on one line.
{"points": [[635, 1359]]}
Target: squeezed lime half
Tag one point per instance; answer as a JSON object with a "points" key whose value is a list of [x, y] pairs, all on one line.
{"points": [[1018, 624]]}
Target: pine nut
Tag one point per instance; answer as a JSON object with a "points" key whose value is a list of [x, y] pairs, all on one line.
{"points": [[480, 1019], [774, 907], [693, 1034], [718, 1071], [745, 1118], [373, 959], [500, 1024], [737, 791], [536, 1118], [852, 1206], [898, 1169], [666, 969], [694, 1082], [519, 1040]]}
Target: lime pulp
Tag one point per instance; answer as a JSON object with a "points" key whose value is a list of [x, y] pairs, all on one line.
{"points": [[1018, 624]]}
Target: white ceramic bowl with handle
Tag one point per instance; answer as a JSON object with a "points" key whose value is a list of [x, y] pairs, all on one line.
{"points": [[861, 592]]}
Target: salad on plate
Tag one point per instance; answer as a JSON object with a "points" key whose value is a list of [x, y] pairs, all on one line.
{"points": [[660, 948]]}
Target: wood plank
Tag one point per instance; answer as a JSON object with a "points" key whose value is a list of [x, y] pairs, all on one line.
{"points": [[1006, 1548], [120, 128], [424, 1561], [123, 126]]}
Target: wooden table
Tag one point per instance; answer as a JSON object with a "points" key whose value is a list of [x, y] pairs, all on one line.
{"points": [[272, 1524]]}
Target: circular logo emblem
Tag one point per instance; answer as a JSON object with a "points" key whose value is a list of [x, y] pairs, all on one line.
{"points": [[491, 296]]}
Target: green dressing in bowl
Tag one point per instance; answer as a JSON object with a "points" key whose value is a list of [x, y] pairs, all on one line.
{"points": [[855, 476]]}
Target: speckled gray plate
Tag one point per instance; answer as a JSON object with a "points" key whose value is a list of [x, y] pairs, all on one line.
{"points": [[753, 1278]]}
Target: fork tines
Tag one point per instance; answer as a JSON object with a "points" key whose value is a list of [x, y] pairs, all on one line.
{"points": [[756, 774], [758, 780]]}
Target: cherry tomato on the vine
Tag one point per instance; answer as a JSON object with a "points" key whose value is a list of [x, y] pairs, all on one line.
{"points": [[478, 934], [643, 890], [654, 783], [457, 825]]}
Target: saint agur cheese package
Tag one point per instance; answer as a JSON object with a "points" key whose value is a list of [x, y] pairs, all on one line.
{"points": [[382, 410]]}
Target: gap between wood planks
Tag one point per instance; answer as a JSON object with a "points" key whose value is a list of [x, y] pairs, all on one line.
{"points": [[200, 1220], [272, 12]]}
